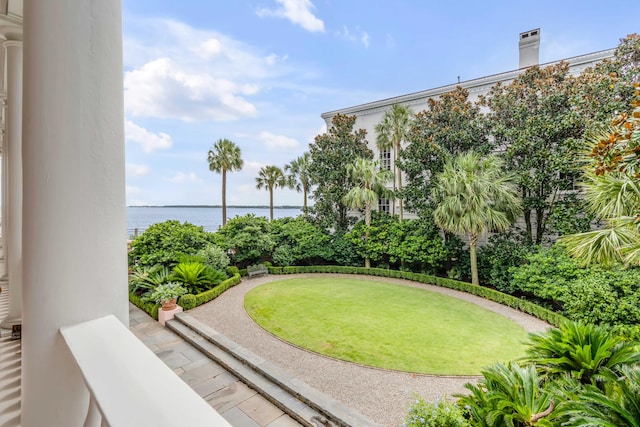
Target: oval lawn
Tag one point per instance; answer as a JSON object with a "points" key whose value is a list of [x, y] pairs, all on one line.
{"points": [[385, 325]]}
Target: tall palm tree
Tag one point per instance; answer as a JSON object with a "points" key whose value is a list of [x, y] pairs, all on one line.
{"points": [[298, 176], [270, 177], [370, 185], [224, 156], [474, 196], [392, 130]]}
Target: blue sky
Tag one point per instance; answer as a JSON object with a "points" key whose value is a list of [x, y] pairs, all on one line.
{"points": [[260, 72]]}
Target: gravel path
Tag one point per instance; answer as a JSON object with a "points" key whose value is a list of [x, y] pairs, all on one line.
{"points": [[380, 395]]}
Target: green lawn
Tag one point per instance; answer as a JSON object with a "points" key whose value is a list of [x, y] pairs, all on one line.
{"points": [[385, 325]]}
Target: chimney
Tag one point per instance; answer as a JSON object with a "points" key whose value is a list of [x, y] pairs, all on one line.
{"points": [[529, 48]]}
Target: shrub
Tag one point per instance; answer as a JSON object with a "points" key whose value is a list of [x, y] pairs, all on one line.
{"points": [[297, 241], [187, 301], [166, 292], [197, 276], [214, 256], [165, 242], [439, 414], [249, 237], [232, 270], [496, 258], [144, 279], [207, 296]]}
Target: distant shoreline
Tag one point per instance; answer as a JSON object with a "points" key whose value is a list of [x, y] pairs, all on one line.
{"points": [[216, 206]]}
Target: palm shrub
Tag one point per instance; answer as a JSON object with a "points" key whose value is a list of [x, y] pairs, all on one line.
{"points": [[144, 278], [582, 352], [508, 395], [196, 276], [617, 406]]}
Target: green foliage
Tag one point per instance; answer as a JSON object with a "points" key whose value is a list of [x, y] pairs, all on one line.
{"points": [[605, 297], [298, 176], [197, 276], [590, 294], [331, 153], [473, 196], [214, 256], [165, 242], [248, 237], [232, 270], [533, 117], [271, 177], [547, 275], [416, 245], [570, 215], [166, 292], [143, 279], [210, 294], [439, 414], [583, 352], [298, 241], [187, 301], [450, 126], [225, 156], [151, 308], [496, 259], [343, 251], [507, 395]]}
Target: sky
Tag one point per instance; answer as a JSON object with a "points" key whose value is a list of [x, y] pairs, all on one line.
{"points": [[261, 72]]}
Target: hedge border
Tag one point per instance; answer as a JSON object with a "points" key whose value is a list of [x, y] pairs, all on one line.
{"points": [[525, 306], [152, 309]]}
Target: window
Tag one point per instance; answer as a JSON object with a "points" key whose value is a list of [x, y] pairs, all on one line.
{"points": [[383, 205], [568, 181], [385, 160]]}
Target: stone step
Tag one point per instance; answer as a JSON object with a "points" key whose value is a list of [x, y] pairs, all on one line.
{"points": [[300, 401]]}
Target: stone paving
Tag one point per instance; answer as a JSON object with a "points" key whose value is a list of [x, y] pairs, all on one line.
{"points": [[237, 403]]}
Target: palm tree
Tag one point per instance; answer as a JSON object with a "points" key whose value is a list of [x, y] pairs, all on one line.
{"points": [[612, 190], [370, 185], [392, 130], [298, 176], [270, 177], [474, 196], [224, 156]]}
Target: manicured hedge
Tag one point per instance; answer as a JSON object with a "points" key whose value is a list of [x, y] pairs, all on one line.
{"points": [[152, 309], [207, 296], [491, 294]]}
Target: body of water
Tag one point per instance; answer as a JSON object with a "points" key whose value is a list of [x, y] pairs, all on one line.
{"points": [[141, 217]]}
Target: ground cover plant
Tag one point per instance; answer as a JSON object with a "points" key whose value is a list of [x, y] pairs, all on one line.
{"points": [[380, 324]]}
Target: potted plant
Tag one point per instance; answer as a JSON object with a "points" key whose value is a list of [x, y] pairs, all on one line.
{"points": [[167, 294]]}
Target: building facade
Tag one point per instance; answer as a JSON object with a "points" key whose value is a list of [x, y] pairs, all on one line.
{"points": [[370, 114]]}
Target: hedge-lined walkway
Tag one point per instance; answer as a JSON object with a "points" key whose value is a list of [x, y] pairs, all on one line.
{"points": [[380, 395]]}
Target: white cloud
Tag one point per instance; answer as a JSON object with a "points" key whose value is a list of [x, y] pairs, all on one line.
{"points": [[136, 170], [298, 12], [131, 190], [355, 36], [149, 141], [277, 142], [162, 88], [174, 71], [185, 178], [252, 168]]}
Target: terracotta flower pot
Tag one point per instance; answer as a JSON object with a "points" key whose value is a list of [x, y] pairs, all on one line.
{"points": [[169, 304]]}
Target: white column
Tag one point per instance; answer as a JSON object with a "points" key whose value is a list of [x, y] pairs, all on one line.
{"points": [[74, 222], [13, 150], [3, 202]]}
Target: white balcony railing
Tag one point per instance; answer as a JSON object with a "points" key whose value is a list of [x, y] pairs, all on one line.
{"points": [[128, 384]]}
